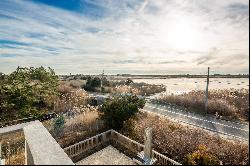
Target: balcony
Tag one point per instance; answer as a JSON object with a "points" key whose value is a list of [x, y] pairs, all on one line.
{"points": [[109, 147]]}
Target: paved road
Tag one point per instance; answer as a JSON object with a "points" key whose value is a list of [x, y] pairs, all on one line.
{"points": [[236, 130]]}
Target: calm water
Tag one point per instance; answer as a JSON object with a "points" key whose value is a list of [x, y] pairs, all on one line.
{"points": [[179, 85]]}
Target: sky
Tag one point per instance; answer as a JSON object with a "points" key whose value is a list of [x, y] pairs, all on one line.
{"points": [[125, 36]]}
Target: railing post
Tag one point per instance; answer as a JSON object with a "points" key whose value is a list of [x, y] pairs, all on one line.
{"points": [[112, 134], [148, 143], [104, 137]]}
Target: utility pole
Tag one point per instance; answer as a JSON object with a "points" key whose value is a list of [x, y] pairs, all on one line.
{"points": [[101, 80], [206, 99]]}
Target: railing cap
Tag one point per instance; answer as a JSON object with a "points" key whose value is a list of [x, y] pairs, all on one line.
{"points": [[42, 147]]}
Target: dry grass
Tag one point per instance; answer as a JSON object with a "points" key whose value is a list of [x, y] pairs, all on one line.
{"points": [[74, 83], [70, 98], [81, 127], [16, 159], [84, 121], [16, 143], [176, 140], [230, 104], [125, 89], [12, 137], [137, 88]]}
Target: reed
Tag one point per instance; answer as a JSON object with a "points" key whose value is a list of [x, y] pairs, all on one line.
{"points": [[177, 140], [229, 104]]}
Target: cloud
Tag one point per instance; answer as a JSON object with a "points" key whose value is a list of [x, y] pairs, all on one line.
{"points": [[126, 61], [210, 56], [130, 36], [173, 62]]}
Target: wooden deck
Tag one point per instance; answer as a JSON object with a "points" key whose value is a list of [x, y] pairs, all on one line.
{"points": [[107, 156]]}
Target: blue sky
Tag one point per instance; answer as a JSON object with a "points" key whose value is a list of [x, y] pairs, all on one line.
{"points": [[125, 36]]}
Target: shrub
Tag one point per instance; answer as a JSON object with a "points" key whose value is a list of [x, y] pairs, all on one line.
{"points": [[27, 92], [92, 84], [119, 109], [128, 81], [58, 126], [201, 157]]}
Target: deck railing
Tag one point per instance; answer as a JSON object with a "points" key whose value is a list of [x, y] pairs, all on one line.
{"points": [[88, 144], [163, 159], [127, 142]]}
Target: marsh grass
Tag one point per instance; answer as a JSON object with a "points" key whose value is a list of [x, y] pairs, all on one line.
{"points": [[228, 104], [13, 148], [177, 141]]}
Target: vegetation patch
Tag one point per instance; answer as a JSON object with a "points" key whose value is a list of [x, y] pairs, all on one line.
{"points": [[177, 141], [123, 86], [13, 148], [117, 110], [27, 92], [78, 128], [229, 104]]}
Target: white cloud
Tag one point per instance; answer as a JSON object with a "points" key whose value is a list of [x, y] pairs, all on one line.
{"points": [[149, 32]]}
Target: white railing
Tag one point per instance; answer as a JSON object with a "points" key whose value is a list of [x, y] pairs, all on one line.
{"points": [[127, 142], [163, 159], [88, 144]]}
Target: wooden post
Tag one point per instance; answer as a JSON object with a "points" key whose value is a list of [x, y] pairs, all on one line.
{"points": [[206, 98], [148, 144]]}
